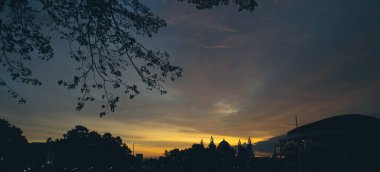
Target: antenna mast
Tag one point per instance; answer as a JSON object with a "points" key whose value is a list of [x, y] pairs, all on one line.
{"points": [[133, 148]]}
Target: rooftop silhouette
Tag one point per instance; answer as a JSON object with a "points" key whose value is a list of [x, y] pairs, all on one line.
{"points": [[339, 143]]}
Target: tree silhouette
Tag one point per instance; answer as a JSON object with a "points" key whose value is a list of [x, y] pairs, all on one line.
{"points": [[102, 35], [249, 5], [13, 147], [81, 149]]}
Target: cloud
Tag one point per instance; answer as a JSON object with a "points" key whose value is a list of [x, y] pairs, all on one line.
{"points": [[187, 131], [267, 145], [243, 76], [200, 21], [214, 46]]}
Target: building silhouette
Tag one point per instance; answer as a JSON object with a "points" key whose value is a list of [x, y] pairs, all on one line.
{"points": [[337, 144]]}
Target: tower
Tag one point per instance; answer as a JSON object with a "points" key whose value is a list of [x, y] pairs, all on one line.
{"points": [[240, 149], [250, 149], [133, 148], [212, 146]]}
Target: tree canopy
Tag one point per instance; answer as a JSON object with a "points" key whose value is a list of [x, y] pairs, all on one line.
{"points": [[83, 149], [80, 149], [13, 146], [103, 36]]}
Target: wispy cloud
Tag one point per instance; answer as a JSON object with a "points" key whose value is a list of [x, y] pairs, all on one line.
{"points": [[214, 46], [244, 75]]}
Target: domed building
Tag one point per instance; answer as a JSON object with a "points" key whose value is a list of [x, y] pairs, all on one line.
{"points": [[339, 143], [245, 151], [223, 145], [225, 149]]}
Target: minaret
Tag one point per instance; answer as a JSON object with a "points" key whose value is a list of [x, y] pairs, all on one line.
{"points": [[212, 146], [250, 149], [202, 145], [240, 149]]}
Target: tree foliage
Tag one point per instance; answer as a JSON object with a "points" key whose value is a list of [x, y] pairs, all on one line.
{"points": [[103, 36], [13, 146], [21, 40], [248, 5], [82, 149]]}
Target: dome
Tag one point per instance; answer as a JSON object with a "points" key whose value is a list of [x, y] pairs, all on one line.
{"points": [[223, 145]]}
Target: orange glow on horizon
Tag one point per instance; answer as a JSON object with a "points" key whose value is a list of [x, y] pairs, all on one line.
{"points": [[156, 151], [141, 146], [151, 139]]}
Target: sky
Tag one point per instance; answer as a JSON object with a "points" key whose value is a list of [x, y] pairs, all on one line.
{"points": [[245, 74]]}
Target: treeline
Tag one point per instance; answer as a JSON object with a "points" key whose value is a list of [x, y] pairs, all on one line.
{"points": [[82, 150], [78, 150]]}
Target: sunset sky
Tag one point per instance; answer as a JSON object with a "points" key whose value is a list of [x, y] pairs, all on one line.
{"points": [[245, 74]]}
